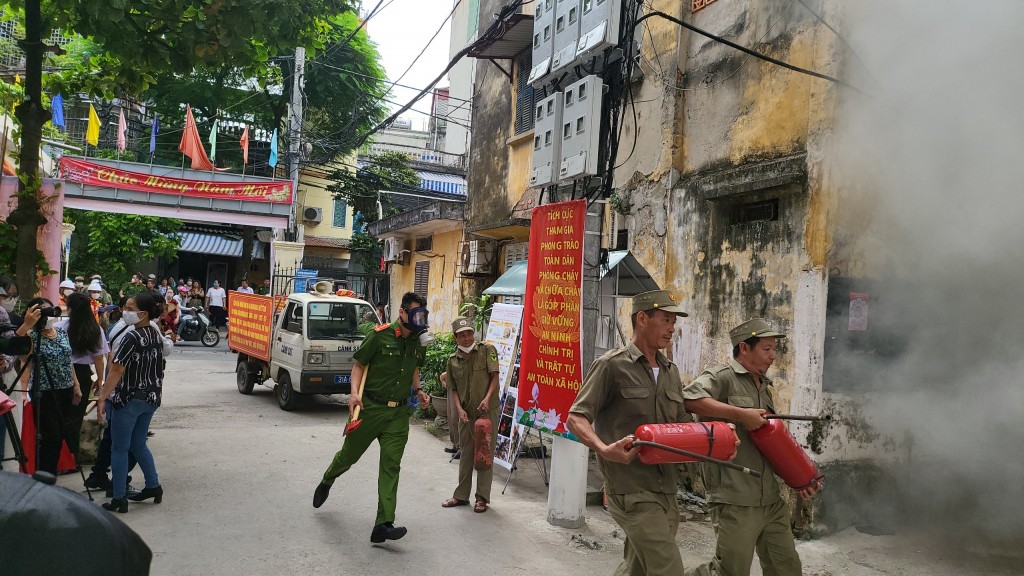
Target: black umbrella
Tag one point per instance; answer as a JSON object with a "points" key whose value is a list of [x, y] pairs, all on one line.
{"points": [[51, 530]]}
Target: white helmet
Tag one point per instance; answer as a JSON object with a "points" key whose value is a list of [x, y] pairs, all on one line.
{"points": [[67, 284]]}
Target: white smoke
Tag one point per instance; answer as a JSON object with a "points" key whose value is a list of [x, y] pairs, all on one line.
{"points": [[936, 149]]}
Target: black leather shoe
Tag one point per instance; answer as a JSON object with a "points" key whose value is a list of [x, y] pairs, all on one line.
{"points": [[386, 531], [321, 494], [97, 482], [457, 455], [157, 494], [118, 505], [451, 450]]}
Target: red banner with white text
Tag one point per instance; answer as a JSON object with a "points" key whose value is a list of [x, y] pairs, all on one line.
{"points": [[93, 174], [551, 364]]}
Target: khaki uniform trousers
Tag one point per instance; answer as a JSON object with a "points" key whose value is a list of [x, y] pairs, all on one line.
{"points": [[649, 520], [741, 529], [467, 444], [453, 420]]}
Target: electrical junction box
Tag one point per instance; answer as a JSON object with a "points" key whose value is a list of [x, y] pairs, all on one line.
{"points": [[567, 34], [581, 128], [547, 143], [543, 41], [599, 26]]}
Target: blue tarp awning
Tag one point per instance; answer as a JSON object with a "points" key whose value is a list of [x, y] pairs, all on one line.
{"points": [[450, 183], [216, 245], [511, 283]]}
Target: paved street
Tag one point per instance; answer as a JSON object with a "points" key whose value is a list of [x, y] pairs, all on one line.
{"points": [[239, 475]]}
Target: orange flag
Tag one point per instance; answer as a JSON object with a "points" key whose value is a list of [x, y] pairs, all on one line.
{"points": [[244, 142], [192, 146]]}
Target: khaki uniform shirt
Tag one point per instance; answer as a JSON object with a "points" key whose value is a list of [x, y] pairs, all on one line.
{"points": [[621, 393], [471, 376], [732, 384], [391, 360]]}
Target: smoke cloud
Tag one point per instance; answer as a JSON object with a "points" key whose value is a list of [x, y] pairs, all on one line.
{"points": [[932, 201]]}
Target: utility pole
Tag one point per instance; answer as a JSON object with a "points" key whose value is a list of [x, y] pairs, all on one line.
{"points": [[295, 138], [567, 493]]}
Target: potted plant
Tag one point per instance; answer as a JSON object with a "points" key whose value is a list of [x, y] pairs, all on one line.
{"points": [[479, 311], [430, 375]]}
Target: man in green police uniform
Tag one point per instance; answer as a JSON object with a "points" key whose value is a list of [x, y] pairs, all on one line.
{"points": [[625, 388], [392, 354], [746, 512], [473, 384]]}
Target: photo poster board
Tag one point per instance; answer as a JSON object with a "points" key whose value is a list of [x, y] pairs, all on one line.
{"points": [[503, 334], [510, 433]]}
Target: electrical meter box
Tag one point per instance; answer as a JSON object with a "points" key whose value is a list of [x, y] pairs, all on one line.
{"points": [[599, 26], [567, 34], [547, 144], [581, 127], [543, 41]]}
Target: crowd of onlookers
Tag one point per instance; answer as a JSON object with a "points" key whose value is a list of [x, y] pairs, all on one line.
{"points": [[92, 354]]}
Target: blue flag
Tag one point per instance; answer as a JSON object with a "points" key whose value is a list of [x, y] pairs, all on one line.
{"points": [[57, 105], [273, 150], [152, 135]]}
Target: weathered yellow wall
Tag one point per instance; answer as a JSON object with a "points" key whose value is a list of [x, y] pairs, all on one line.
{"points": [[443, 294], [313, 192]]}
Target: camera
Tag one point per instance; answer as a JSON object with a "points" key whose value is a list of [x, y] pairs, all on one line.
{"points": [[52, 311]]}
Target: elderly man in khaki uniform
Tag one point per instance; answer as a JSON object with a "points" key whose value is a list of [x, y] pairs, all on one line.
{"points": [[746, 512], [473, 383], [625, 388]]}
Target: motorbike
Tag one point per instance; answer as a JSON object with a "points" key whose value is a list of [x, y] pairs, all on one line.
{"points": [[200, 328]]}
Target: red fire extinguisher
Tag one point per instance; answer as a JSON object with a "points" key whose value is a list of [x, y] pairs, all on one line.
{"points": [[713, 439], [787, 458], [482, 455]]}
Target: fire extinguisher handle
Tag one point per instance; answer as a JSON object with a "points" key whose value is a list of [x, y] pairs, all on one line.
{"points": [[697, 456]]}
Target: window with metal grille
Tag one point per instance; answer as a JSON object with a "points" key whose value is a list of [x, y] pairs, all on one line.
{"points": [[422, 278], [425, 244], [524, 93], [340, 213]]}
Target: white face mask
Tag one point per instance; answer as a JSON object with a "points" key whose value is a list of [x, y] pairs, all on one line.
{"points": [[130, 317], [79, 284], [8, 304], [95, 295], [66, 291], [467, 349]]}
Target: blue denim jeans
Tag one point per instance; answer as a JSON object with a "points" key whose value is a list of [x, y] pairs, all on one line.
{"points": [[128, 428]]}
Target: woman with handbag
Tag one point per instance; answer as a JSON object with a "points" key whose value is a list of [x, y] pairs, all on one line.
{"points": [[88, 349], [134, 387], [59, 390]]}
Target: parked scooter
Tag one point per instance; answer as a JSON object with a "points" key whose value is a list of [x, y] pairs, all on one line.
{"points": [[199, 327]]}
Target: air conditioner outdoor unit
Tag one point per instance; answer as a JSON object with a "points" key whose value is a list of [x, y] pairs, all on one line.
{"points": [[311, 214], [394, 250], [478, 257]]}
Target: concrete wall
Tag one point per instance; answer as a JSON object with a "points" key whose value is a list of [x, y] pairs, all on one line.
{"points": [[460, 85], [312, 191]]}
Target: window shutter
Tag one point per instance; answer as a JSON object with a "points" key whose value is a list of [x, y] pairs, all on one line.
{"points": [[422, 278], [340, 212], [524, 93]]}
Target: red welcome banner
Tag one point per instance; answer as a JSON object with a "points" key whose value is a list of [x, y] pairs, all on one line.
{"points": [[93, 174], [551, 365]]}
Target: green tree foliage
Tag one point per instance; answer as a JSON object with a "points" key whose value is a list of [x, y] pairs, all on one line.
{"points": [[111, 244], [361, 188]]}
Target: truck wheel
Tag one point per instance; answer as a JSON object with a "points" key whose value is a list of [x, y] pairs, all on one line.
{"points": [[287, 397], [211, 338], [244, 378]]}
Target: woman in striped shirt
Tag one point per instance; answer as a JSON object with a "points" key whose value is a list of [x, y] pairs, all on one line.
{"points": [[134, 387]]}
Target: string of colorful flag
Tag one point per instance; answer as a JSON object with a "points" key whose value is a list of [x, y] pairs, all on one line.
{"points": [[191, 144]]}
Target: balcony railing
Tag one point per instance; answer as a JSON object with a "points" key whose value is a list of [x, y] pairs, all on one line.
{"points": [[419, 156]]}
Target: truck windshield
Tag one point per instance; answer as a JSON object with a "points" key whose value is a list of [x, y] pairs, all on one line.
{"points": [[337, 320]]}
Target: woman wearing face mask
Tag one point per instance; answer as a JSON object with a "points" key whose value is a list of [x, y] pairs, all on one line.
{"points": [[88, 348], [66, 289], [59, 390], [10, 302], [134, 387]]}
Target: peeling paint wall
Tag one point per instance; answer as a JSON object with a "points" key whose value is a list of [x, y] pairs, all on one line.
{"points": [[444, 294]]}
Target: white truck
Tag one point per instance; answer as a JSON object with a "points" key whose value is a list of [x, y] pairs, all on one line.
{"points": [[303, 342]]}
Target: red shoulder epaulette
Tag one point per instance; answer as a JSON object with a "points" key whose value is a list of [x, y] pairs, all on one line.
{"points": [[381, 327]]}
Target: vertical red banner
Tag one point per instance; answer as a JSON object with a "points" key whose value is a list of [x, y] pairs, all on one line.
{"points": [[551, 364]]}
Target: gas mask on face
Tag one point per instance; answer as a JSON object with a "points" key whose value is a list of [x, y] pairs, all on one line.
{"points": [[416, 322]]}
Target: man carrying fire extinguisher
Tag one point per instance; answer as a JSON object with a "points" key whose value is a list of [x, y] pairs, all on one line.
{"points": [[746, 512], [473, 381], [625, 388]]}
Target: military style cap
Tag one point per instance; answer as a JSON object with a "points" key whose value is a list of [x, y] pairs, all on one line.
{"points": [[656, 300], [754, 327], [460, 324], [79, 278]]}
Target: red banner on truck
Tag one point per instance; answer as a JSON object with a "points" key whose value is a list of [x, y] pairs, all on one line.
{"points": [[250, 323], [93, 174], [551, 364]]}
